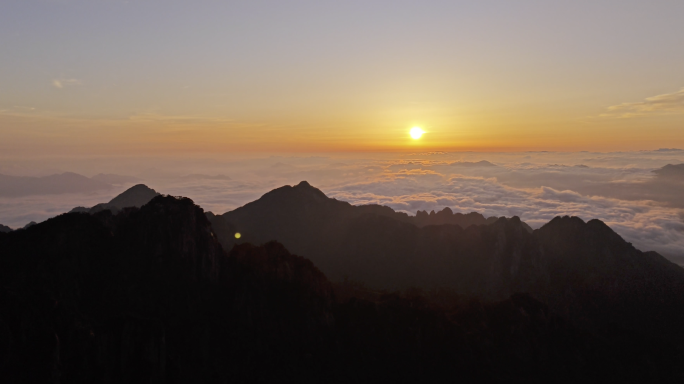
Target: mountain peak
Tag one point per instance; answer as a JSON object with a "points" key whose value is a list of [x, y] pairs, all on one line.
{"points": [[303, 192], [567, 224], [311, 191], [135, 196]]}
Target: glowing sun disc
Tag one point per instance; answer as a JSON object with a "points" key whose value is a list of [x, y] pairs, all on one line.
{"points": [[416, 133]]}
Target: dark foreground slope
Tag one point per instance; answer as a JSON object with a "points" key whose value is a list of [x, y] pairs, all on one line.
{"points": [[437, 338], [149, 296], [582, 270]]}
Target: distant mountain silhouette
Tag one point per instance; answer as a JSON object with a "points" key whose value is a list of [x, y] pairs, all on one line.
{"points": [[135, 196], [150, 296], [482, 163], [115, 179], [196, 176], [5, 229], [69, 182], [583, 271], [665, 187], [671, 171]]}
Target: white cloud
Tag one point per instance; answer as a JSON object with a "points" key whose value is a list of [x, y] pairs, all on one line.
{"points": [[65, 82], [669, 102]]}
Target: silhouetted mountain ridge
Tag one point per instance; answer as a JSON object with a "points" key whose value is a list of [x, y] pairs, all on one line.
{"points": [[135, 196], [447, 216], [582, 270], [305, 209], [149, 295]]}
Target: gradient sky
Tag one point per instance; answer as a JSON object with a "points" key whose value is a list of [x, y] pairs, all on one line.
{"points": [[167, 77]]}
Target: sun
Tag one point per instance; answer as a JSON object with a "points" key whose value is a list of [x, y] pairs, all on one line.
{"points": [[416, 133]]}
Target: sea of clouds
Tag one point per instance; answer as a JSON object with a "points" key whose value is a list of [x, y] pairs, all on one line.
{"points": [[619, 188]]}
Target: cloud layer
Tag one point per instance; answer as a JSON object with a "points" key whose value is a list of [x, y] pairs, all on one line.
{"points": [[647, 224], [618, 188]]}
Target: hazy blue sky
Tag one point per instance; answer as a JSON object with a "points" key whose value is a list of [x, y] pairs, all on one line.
{"points": [[167, 76]]}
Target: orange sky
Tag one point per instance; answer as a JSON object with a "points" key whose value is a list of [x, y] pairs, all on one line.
{"points": [[173, 77]]}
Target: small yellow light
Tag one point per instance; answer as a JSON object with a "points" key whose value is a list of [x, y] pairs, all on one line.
{"points": [[238, 235], [416, 133]]}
